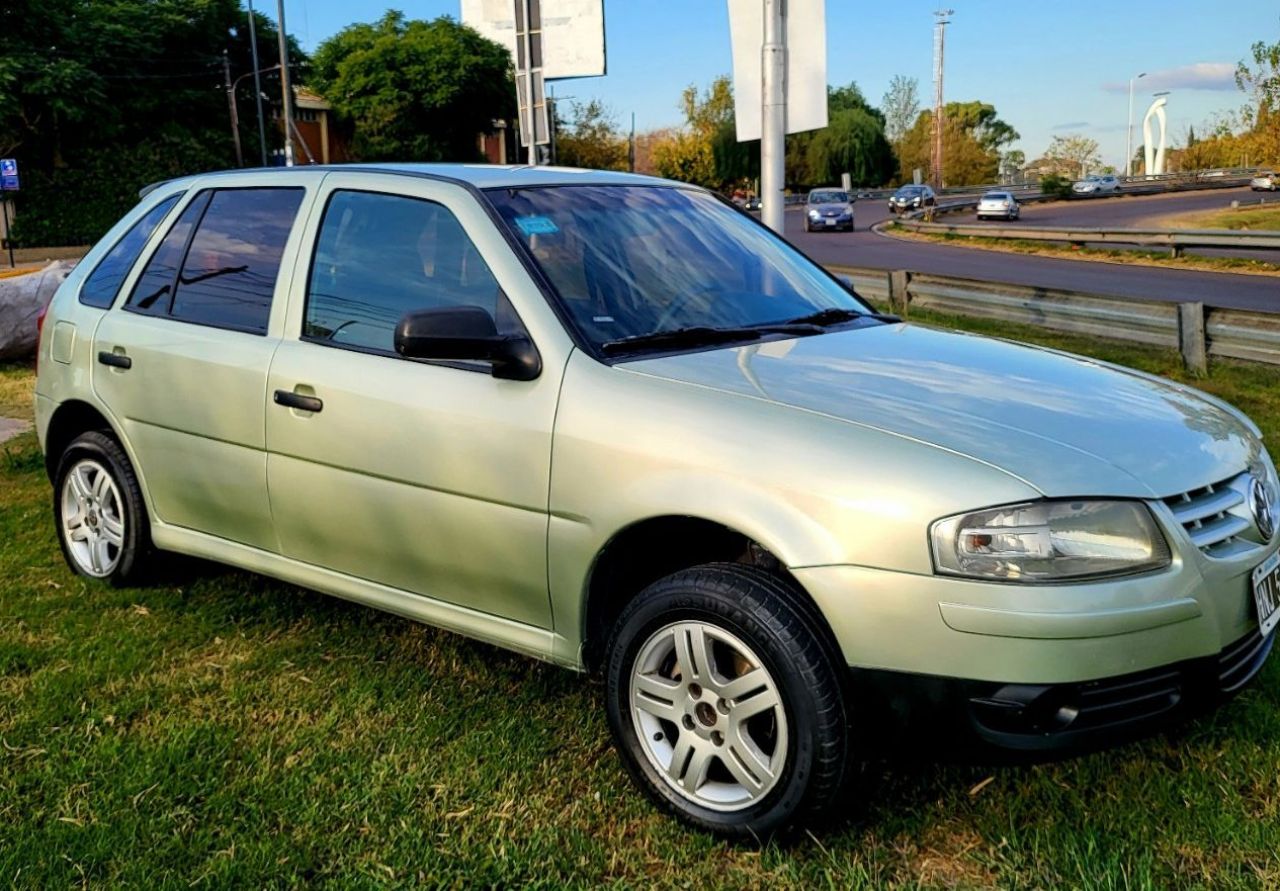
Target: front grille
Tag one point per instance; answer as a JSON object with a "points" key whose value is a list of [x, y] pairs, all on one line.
{"points": [[1239, 662], [1132, 698], [1215, 516]]}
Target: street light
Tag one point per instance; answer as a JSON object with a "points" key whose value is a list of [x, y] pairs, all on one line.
{"points": [[1128, 133]]}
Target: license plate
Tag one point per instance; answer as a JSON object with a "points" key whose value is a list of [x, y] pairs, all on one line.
{"points": [[831, 222], [1266, 593]]}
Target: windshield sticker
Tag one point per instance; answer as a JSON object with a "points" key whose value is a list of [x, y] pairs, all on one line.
{"points": [[537, 225]]}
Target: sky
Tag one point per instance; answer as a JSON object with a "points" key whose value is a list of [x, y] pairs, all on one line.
{"points": [[1049, 69]]}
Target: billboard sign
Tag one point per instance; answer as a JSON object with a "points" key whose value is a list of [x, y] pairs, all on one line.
{"points": [[572, 33], [9, 174], [806, 56]]}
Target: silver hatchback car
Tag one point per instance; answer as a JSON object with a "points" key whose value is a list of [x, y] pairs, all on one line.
{"points": [[613, 422]]}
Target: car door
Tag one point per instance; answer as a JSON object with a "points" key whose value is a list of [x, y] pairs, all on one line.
{"points": [[429, 477], [182, 364]]}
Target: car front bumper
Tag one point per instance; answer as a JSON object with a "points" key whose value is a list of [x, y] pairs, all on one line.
{"points": [[830, 222], [1041, 667]]}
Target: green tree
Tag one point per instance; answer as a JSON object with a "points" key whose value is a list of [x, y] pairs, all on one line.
{"points": [[1073, 155], [688, 157], [901, 105], [591, 139], [415, 90], [973, 136]]}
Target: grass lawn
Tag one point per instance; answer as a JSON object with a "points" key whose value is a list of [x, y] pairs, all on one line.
{"points": [[224, 729], [1128, 256], [1257, 217]]}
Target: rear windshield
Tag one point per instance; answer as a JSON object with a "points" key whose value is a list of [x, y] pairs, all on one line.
{"points": [[996, 196]]}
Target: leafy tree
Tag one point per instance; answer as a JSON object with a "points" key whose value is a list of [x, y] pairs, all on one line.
{"points": [[973, 136], [591, 139], [688, 157], [708, 111], [1261, 80], [1074, 154], [415, 90], [901, 106]]}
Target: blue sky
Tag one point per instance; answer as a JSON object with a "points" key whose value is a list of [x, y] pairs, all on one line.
{"points": [[1048, 68]]}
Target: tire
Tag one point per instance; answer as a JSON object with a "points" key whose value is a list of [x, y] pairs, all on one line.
{"points": [[96, 482], [754, 777]]}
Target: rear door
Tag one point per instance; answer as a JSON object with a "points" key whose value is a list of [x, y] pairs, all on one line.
{"points": [[182, 363]]}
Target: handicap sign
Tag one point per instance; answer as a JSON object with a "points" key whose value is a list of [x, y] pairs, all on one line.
{"points": [[8, 174]]}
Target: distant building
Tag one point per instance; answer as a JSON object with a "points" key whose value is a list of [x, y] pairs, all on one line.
{"points": [[317, 140]]}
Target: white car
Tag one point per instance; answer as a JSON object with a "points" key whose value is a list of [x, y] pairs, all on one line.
{"points": [[1097, 185], [1267, 182], [998, 204]]}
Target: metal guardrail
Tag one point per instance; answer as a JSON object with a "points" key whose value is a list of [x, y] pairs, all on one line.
{"points": [[1174, 239], [1197, 331]]}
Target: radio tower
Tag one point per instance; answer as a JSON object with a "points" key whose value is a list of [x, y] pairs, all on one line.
{"points": [[943, 18]]}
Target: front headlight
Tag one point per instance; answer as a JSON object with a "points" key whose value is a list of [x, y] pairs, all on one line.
{"points": [[813, 214], [1050, 541]]}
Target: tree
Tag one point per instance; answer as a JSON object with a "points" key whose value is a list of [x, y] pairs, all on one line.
{"points": [[688, 157], [708, 111], [591, 139], [973, 136], [702, 151], [901, 106], [1074, 154], [413, 89], [1262, 79]]}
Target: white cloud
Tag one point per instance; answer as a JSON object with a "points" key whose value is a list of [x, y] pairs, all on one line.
{"points": [[1217, 76]]}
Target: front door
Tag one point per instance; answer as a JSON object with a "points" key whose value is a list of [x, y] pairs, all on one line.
{"points": [[427, 477], [182, 365]]}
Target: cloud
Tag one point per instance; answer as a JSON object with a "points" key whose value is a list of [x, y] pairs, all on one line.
{"points": [[1217, 76], [1070, 125]]}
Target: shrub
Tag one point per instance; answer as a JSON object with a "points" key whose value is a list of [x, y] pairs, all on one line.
{"points": [[1055, 185]]}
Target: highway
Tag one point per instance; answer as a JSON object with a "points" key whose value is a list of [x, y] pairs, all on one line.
{"points": [[868, 249]]}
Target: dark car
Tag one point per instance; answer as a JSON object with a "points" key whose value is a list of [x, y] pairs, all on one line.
{"points": [[911, 197]]}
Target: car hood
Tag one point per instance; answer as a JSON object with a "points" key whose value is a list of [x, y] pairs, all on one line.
{"points": [[1065, 425]]}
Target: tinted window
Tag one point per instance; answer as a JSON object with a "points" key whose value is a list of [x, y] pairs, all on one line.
{"points": [[102, 285], [828, 197], [379, 257], [153, 291], [230, 270]]}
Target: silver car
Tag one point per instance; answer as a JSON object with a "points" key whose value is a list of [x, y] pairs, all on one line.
{"points": [[1267, 182], [1000, 205], [830, 209], [1096, 185]]}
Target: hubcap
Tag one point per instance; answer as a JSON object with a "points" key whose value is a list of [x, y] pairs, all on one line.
{"points": [[92, 518], [709, 715]]}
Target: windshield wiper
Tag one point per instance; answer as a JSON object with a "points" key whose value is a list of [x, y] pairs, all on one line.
{"points": [[837, 316], [694, 335]]}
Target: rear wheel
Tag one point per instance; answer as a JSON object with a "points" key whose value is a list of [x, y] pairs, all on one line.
{"points": [[97, 505], [726, 703]]}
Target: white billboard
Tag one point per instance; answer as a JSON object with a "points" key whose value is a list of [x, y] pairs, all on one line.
{"points": [[806, 78], [572, 32]]}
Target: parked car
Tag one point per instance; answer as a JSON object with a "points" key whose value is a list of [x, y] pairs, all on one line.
{"points": [[753, 203], [911, 197], [1266, 182], [998, 204], [610, 422], [828, 209], [1097, 185]]}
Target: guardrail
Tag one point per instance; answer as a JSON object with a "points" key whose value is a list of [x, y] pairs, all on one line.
{"points": [[1176, 240], [1197, 331]]}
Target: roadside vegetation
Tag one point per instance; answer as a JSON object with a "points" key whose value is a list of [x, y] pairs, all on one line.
{"points": [[1258, 217], [1128, 256], [220, 728]]}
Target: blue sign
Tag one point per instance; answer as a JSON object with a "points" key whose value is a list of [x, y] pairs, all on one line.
{"points": [[9, 174]]}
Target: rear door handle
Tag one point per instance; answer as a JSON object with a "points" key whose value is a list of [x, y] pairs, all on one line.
{"points": [[115, 360], [290, 399]]}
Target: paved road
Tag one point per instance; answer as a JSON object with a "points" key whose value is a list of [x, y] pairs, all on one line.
{"points": [[865, 248]]}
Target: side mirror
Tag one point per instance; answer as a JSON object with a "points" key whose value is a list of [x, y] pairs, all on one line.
{"points": [[467, 333]]}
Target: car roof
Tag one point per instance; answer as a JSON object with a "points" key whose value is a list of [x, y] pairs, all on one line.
{"points": [[481, 176]]}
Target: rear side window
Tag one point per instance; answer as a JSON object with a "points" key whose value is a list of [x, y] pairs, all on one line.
{"points": [[379, 257], [219, 263], [102, 285]]}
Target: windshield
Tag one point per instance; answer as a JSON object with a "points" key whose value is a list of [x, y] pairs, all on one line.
{"points": [[909, 191], [828, 197], [628, 261]]}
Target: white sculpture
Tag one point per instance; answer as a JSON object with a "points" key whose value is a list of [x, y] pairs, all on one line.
{"points": [[1155, 156]]}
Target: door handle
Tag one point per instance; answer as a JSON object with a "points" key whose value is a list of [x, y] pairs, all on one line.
{"points": [[290, 399], [115, 360]]}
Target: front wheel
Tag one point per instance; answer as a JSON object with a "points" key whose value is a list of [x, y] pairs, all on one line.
{"points": [[97, 505], [726, 703]]}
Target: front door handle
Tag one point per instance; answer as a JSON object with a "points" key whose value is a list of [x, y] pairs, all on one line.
{"points": [[115, 360], [297, 400]]}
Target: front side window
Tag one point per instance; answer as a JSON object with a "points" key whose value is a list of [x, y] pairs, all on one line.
{"points": [[218, 265], [102, 285], [629, 261], [379, 257]]}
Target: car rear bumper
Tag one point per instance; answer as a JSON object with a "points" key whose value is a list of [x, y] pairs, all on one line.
{"points": [[997, 721]]}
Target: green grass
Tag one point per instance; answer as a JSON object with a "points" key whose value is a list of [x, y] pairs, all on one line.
{"points": [[221, 729], [1258, 217]]}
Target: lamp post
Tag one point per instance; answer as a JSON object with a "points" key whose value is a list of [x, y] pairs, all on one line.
{"points": [[1128, 133], [235, 118]]}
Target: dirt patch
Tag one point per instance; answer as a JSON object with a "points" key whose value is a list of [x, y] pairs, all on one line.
{"points": [[11, 427]]}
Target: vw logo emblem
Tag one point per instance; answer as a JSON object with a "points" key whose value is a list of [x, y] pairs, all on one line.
{"points": [[1260, 506]]}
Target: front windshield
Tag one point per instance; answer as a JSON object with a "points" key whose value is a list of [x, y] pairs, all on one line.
{"points": [[627, 261], [909, 191], [828, 197]]}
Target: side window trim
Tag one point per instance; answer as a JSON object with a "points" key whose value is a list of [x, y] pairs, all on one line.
{"points": [[176, 199], [460, 365]]}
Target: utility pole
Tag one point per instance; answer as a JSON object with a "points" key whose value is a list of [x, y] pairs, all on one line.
{"points": [[286, 89], [631, 145], [231, 101], [1128, 133], [257, 84], [527, 45], [942, 17], [773, 115]]}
